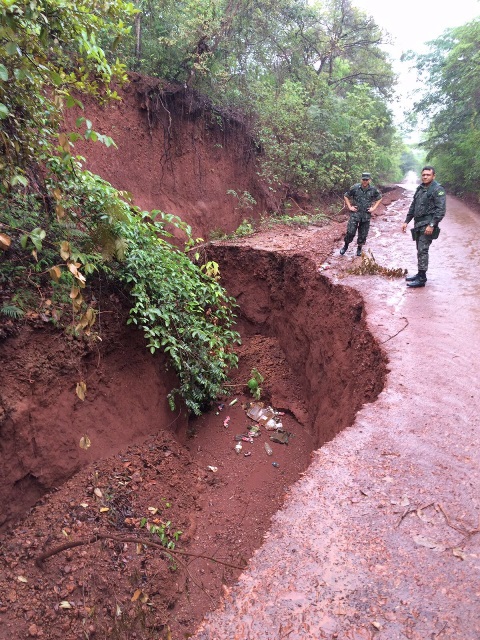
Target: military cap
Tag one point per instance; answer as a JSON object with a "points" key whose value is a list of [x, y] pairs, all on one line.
{"points": [[366, 176]]}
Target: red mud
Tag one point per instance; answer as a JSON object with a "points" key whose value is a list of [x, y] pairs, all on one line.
{"points": [[309, 341], [344, 558], [381, 537]]}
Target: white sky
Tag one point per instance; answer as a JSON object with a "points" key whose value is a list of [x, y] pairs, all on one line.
{"points": [[411, 23]]}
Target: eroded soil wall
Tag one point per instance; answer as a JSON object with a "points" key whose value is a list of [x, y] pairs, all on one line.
{"points": [[42, 420], [320, 327], [175, 153]]}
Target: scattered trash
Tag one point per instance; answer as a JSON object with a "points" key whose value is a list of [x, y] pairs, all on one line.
{"points": [[271, 425], [324, 266], [268, 449], [247, 453], [221, 406], [243, 438], [267, 417], [255, 410], [238, 447], [282, 437], [226, 421], [230, 404], [254, 431], [275, 464], [212, 469]]}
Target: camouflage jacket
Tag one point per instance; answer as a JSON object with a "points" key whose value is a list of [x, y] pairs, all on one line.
{"points": [[363, 198], [428, 206]]}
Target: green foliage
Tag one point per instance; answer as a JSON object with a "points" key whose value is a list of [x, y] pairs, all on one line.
{"points": [[293, 220], [11, 311], [310, 80], [450, 105], [254, 384], [411, 160], [49, 51], [182, 311], [246, 228], [163, 531], [244, 200]]}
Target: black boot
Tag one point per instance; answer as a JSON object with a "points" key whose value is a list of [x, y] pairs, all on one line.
{"points": [[415, 284], [419, 280], [344, 248], [359, 250], [415, 277]]}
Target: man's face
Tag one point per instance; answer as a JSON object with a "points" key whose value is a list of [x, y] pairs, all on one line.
{"points": [[427, 176], [365, 182]]}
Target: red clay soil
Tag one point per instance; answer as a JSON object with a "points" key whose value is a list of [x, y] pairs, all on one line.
{"points": [[376, 538], [381, 537], [309, 341]]}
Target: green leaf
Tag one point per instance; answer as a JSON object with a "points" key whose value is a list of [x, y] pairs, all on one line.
{"points": [[3, 73], [4, 112], [56, 78], [12, 49], [19, 179]]}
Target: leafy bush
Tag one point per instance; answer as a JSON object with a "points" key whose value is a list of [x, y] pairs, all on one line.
{"points": [[182, 311]]}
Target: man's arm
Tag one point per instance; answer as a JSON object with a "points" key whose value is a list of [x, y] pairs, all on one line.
{"points": [[409, 216], [376, 203], [350, 207], [439, 199]]}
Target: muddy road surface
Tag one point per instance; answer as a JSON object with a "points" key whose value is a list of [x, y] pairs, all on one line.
{"points": [[381, 537], [372, 535]]}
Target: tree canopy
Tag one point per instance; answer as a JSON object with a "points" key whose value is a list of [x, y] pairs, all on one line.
{"points": [[65, 228], [311, 78], [451, 104]]}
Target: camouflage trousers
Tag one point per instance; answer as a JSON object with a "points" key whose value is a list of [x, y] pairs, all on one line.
{"points": [[423, 243], [358, 222]]}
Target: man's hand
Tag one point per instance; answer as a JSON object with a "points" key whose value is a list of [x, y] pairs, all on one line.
{"points": [[404, 227], [353, 208], [429, 230]]}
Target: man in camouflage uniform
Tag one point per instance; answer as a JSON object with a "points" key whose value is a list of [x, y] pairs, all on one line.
{"points": [[361, 200], [427, 210]]}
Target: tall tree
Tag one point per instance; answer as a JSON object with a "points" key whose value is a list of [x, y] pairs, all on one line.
{"points": [[49, 49], [451, 105]]}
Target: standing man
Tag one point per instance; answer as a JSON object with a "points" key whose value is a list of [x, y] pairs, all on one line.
{"points": [[427, 210], [361, 200]]}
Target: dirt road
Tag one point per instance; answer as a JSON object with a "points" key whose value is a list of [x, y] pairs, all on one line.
{"points": [[380, 539]]}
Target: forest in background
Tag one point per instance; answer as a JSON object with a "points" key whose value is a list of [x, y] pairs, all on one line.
{"points": [[309, 81]]}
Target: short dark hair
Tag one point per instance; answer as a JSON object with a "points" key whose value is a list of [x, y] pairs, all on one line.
{"points": [[428, 167]]}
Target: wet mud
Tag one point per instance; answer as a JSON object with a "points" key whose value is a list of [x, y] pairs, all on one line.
{"points": [[374, 536], [380, 538], [310, 340]]}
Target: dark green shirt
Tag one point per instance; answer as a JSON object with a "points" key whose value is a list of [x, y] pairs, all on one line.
{"points": [[363, 198], [428, 206]]}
